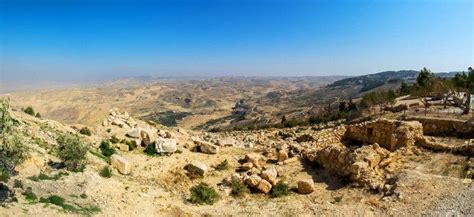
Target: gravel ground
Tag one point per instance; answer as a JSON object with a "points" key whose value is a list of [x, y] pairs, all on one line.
{"points": [[457, 205]]}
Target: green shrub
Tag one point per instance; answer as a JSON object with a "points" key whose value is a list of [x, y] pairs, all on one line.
{"points": [[151, 150], [43, 176], [4, 176], [18, 183], [106, 172], [12, 153], [29, 110], [38, 115], [85, 131], [222, 165], [203, 194], [30, 196], [280, 189], [106, 149], [12, 149], [83, 196], [59, 201], [72, 151], [238, 189]]}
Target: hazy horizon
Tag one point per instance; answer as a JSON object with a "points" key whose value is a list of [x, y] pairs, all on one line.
{"points": [[59, 41]]}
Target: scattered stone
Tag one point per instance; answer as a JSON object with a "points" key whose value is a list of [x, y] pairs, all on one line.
{"points": [[257, 160], [227, 142], [134, 133], [196, 168], [254, 171], [165, 145], [271, 172], [208, 148], [305, 186], [264, 186], [282, 155], [145, 136], [247, 166], [123, 147], [253, 180], [121, 164]]}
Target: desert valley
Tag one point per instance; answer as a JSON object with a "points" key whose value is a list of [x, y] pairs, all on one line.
{"points": [[240, 146]]}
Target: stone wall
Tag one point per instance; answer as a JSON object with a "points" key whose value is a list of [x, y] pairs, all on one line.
{"points": [[368, 166], [446, 127], [390, 134]]}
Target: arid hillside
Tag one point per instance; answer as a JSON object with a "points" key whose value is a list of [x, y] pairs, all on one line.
{"points": [[378, 167], [186, 103]]}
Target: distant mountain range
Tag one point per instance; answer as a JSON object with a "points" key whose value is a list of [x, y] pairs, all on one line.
{"points": [[371, 81]]}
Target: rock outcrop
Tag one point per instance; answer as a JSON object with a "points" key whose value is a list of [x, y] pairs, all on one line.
{"points": [[121, 164]]}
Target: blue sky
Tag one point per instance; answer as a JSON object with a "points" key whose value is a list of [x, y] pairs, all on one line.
{"points": [[74, 40]]}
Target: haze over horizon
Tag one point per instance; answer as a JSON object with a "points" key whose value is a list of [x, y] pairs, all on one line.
{"points": [[83, 40]]}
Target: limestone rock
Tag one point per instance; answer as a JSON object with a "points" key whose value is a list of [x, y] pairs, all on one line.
{"points": [[123, 147], [227, 142], [145, 137], [253, 180], [247, 166], [165, 145], [208, 148], [305, 186], [196, 168], [121, 164], [282, 155], [134, 133], [264, 186], [257, 160]]}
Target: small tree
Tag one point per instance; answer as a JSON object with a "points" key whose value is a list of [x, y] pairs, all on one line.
{"points": [[405, 89], [29, 110], [72, 151], [465, 81], [12, 149], [423, 77], [203, 194]]}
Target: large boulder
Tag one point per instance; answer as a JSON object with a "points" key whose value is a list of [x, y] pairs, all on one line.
{"points": [[282, 155], [227, 142], [264, 186], [208, 148], [165, 145], [253, 180], [305, 186], [196, 168], [270, 174], [145, 136], [257, 160], [121, 164], [134, 133]]}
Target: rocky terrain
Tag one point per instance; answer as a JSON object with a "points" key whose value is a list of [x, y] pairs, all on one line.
{"points": [[189, 103], [136, 167]]}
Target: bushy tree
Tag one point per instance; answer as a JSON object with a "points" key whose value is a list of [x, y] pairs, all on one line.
{"points": [[465, 82], [424, 77], [12, 149], [72, 151], [29, 110], [378, 98]]}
